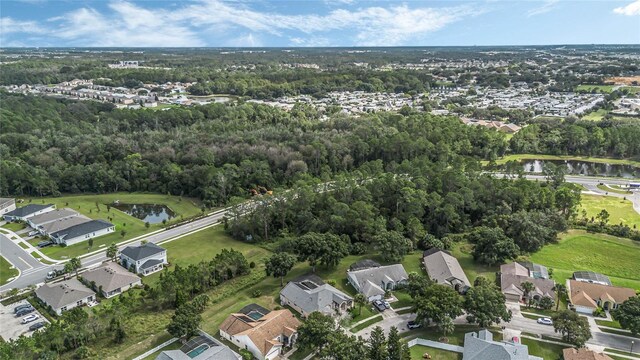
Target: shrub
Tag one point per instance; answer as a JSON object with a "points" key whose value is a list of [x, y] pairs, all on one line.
{"points": [[256, 293]]}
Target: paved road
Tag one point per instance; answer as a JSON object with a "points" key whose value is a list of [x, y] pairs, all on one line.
{"points": [[30, 268]]}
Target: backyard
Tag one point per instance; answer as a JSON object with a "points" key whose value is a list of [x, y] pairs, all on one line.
{"points": [[579, 250], [95, 207]]}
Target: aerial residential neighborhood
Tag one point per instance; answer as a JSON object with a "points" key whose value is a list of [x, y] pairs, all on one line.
{"points": [[320, 180]]}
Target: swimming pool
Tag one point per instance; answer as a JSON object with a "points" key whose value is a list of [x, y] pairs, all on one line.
{"points": [[197, 351]]}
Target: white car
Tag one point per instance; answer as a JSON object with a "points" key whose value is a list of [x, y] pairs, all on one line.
{"points": [[386, 304], [30, 318], [545, 321]]}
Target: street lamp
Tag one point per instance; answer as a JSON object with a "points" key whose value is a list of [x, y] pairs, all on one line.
{"points": [[630, 351]]}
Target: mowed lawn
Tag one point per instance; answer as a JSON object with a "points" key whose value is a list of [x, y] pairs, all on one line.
{"points": [[94, 207], [418, 351], [520, 157], [620, 210], [576, 250], [7, 271]]}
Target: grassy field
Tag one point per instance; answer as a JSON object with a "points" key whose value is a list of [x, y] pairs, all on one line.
{"points": [[595, 115], [614, 189], [14, 226], [578, 250], [6, 271], [94, 207], [520, 157], [544, 350], [418, 351], [620, 210], [462, 251], [605, 89]]}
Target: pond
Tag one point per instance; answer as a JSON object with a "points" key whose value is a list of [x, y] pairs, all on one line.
{"points": [[151, 213], [585, 168]]}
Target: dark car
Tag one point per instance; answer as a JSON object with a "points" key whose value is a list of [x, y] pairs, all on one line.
{"points": [[20, 307], [25, 311], [413, 325], [379, 305], [37, 326]]}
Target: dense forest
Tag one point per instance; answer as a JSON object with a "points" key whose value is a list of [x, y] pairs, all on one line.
{"points": [[213, 152]]}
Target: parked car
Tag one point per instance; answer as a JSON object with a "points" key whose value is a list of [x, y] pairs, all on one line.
{"points": [[25, 311], [545, 321], [34, 233], [386, 304], [43, 244], [413, 325], [30, 318], [379, 305], [20, 307], [37, 326]]}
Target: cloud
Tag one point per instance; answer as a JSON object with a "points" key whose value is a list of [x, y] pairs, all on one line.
{"points": [[632, 9], [9, 25], [546, 6], [216, 22]]}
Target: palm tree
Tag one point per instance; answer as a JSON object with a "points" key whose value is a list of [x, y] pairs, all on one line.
{"points": [[73, 265], [527, 287], [360, 300], [561, 292]]}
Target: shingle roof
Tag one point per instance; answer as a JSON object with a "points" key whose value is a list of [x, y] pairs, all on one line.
{"points": [[583, 354], [63, 293], [514, 269], [369, 281], [587, 294], [81, 229], [62, 224], [481, 346], [444, 268], [110, 276], [150, 263], [27, 209], [142, 252], [310, 293], [53, 215], [264, 331], [512, 284]]}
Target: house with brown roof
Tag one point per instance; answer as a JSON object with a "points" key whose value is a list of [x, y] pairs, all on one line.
{"points": [[583, 354], [513, 275], [262, 332], [586, 297]]}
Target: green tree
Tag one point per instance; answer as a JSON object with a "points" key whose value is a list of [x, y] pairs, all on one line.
{"points": [[377, 345], [185, 322], [628, 314], [573, 327], [527, 288], [279, 265], [360, 300], [446, 325], [603, 217], [561, 293], [546, 303], [90, 243], [112, 251], [394, 345], [485, 305], [492, 246], [147, 225], [437, 302], [73, 264], [314, 333], [392, 245]]}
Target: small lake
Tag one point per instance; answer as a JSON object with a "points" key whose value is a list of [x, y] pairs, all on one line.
{"points": [[585, 168], [151, 213]]}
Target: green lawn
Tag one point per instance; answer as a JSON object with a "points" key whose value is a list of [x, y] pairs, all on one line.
{"points": [[579, 250], [598, 88], [7, 271], [620, 210], [612, 323], [614, 189], [462, 252], [519, 157], [418, 351], [595, 115], [544, 350], [432, 333], [14, 226], [366, 324], [86, 205]]}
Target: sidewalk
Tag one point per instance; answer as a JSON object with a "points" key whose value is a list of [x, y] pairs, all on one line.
{"points": [[30, 248]]}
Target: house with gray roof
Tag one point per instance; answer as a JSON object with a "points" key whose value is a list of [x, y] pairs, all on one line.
{"points": [[445, 269], [83, 232], [308, 293], [50, 216], [374, 282], [481, 346], [27, 211], [61, 224], [110, 279], [65, 295], [144, 259], [202, 347], [6, 205]]}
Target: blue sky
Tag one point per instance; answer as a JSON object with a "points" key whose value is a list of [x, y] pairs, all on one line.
{"points": [[176, 23]]}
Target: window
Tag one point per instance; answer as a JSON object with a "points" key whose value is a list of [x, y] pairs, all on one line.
{"points": [[79, 302], [64, 308]]}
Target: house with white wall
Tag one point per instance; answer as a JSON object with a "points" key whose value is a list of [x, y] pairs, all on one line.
{"points": [[144, 259]]}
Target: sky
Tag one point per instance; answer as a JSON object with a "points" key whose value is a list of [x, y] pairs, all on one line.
{"points": [[285, 23]]}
